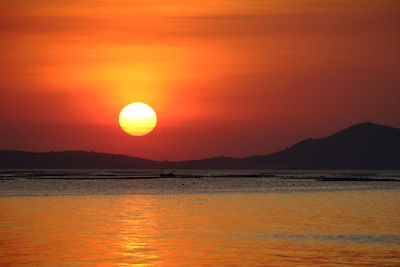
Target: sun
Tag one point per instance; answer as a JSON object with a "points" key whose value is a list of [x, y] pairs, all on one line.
{"points": [[137, 119]]}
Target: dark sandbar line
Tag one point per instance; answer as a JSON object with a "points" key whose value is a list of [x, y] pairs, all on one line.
{"points": [[111, 177], [352, 179]]}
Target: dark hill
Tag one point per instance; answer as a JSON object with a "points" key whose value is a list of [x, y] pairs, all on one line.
{"points": [[70, 160], [361, 146]]}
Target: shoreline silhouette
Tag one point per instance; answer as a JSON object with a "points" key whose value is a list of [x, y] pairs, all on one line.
{"points": [[361, 146]]}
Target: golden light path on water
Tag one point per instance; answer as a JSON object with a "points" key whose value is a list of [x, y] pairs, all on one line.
{"points": [[277, 229]]}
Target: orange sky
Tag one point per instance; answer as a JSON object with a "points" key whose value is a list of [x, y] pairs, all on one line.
{"points": [[232, 78]]}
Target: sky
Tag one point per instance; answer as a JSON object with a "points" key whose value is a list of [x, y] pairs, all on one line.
{"points": [[234, 78]]}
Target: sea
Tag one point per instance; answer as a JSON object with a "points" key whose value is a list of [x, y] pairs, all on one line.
{"points": [[199, 218]]}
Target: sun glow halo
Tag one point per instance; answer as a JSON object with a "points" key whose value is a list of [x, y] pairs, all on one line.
{"points": [[137, 119]]}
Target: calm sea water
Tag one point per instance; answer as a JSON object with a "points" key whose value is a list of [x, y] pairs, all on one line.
{"points": [[199, 218]]}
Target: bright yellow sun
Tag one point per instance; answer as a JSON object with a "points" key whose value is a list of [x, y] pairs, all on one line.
{"points": [[137, 119]]}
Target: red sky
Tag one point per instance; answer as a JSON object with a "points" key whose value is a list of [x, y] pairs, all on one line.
{"points": [[233, 78]]}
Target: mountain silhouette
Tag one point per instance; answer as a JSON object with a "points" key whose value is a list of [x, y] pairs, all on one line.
{"points": [[361, 146]]}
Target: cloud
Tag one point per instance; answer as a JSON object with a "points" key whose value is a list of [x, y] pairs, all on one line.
{"points": [[106, 23]]}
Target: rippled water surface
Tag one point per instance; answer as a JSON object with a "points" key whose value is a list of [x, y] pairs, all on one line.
{"points": [[199, 218]]}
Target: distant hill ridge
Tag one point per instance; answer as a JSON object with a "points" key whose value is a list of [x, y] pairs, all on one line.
{"points": [[361, 146]]}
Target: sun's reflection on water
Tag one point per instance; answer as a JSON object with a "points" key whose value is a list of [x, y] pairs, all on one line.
{"points": [[202, 229], [137, 229]]}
